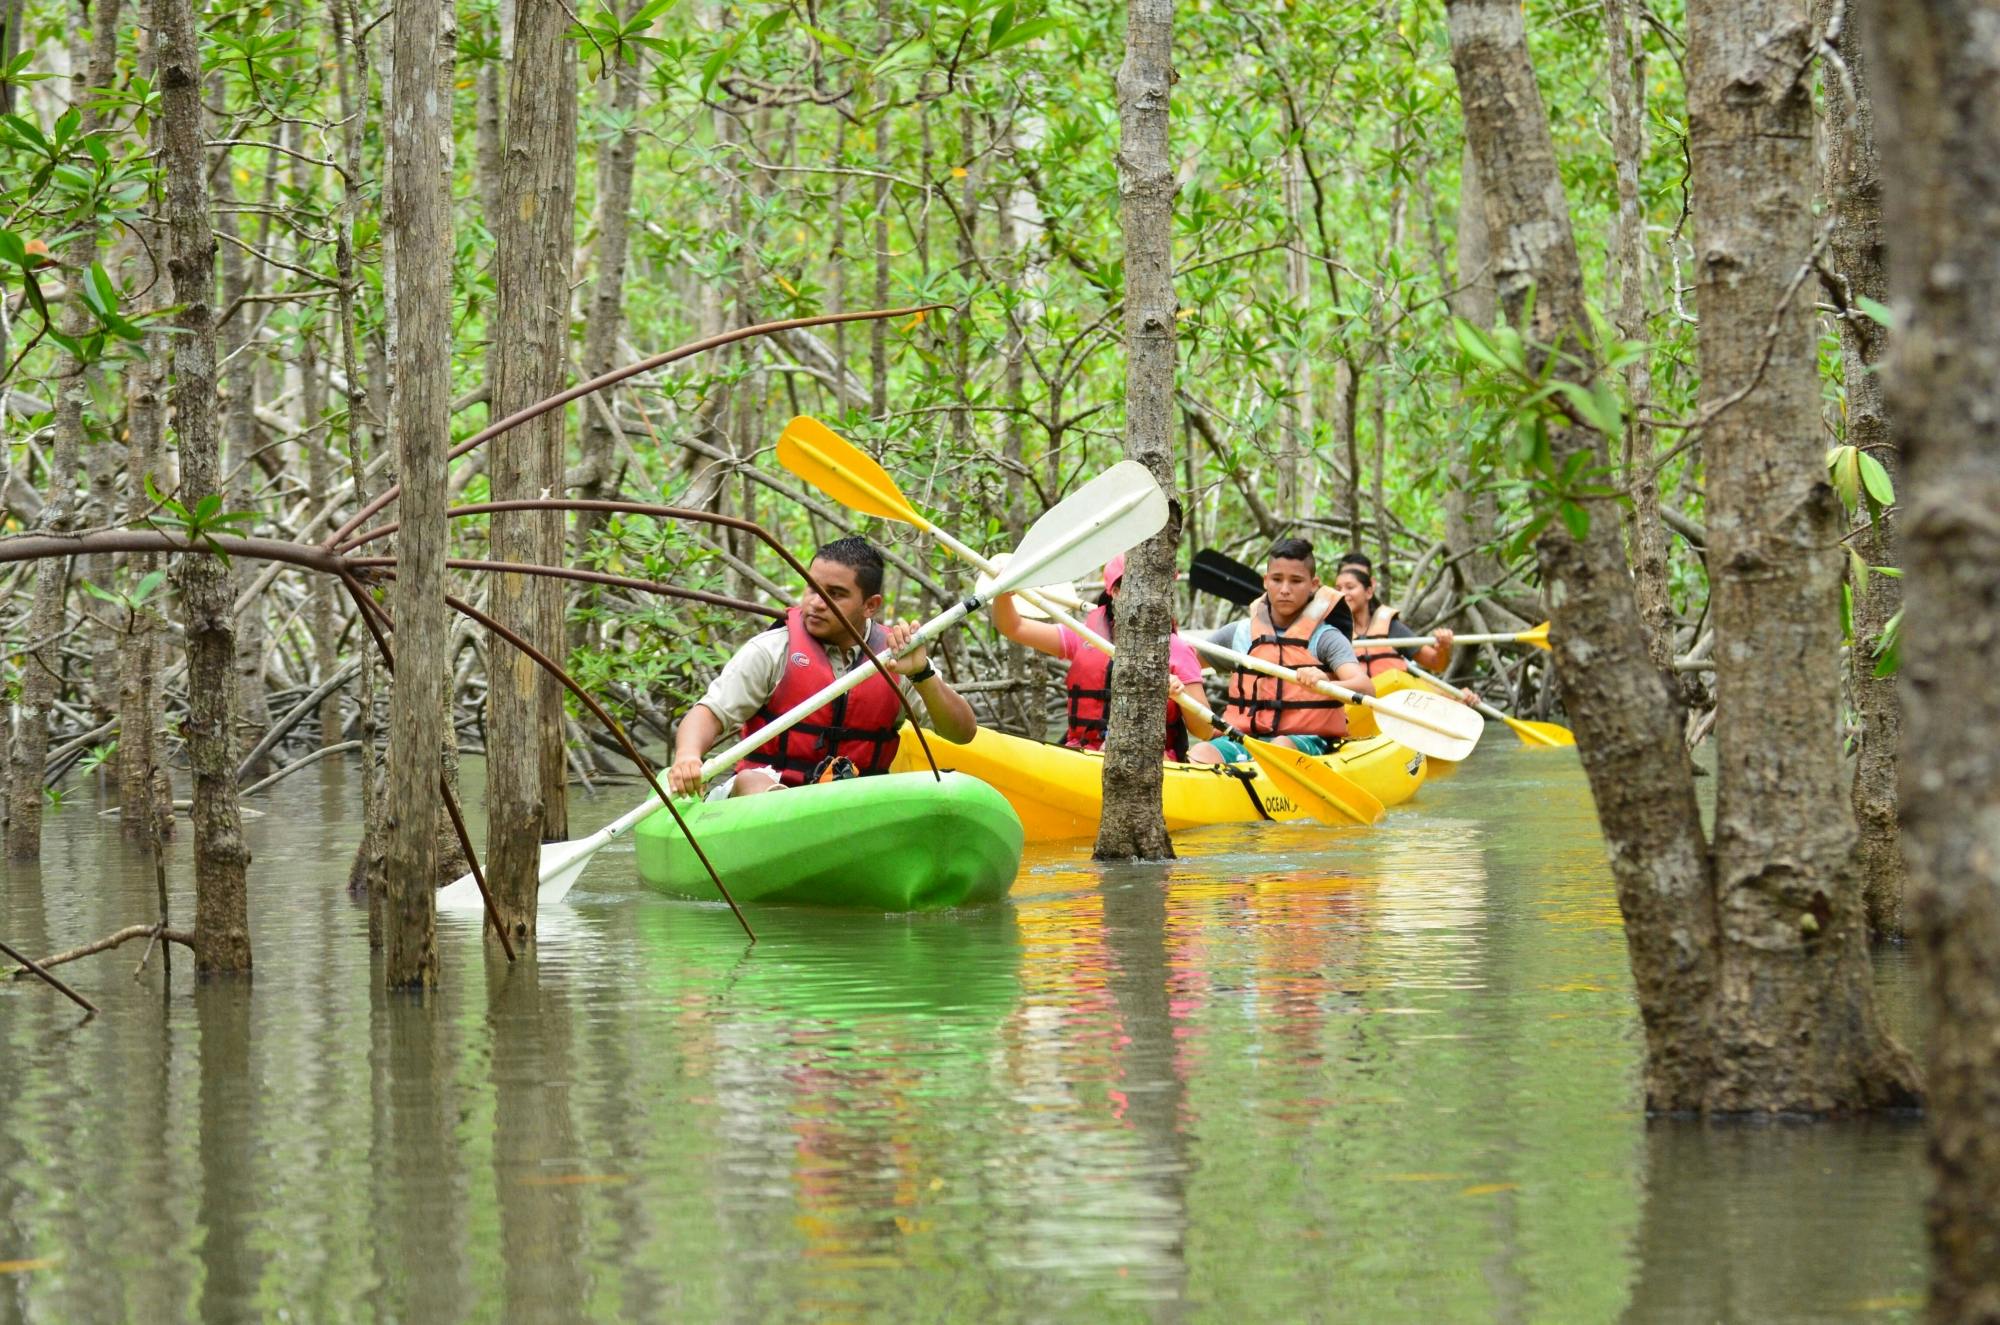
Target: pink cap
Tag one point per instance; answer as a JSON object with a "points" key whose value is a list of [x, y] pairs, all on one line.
{"points": [[1114, 570]]}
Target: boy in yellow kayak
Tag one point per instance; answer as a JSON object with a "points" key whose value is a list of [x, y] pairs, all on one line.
{"points": [[1289, 626], [776, 671]]}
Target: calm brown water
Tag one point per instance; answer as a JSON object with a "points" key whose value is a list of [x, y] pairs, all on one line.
{"points": [[1300, 1074]]}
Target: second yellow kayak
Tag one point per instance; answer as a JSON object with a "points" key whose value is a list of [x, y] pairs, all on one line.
{"points": [[1059, 792]]}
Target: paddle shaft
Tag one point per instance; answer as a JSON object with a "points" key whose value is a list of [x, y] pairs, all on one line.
{"points": [[1329, 688], [1418, 641]]}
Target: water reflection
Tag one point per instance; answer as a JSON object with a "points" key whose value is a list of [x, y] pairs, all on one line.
{"points": [[1296, 1074]]}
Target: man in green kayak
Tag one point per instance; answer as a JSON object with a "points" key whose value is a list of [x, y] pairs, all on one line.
{"points": [[1289, 626], [774, 672]]}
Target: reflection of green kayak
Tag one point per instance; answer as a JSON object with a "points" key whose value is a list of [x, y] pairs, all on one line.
{"points": [[898, 842], [958, 973]]}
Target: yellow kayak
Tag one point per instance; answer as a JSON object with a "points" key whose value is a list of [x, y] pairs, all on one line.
{"points": [[1059, 793]]}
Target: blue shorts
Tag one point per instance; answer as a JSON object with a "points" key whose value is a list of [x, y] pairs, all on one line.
{"points": [[1232, 752]]}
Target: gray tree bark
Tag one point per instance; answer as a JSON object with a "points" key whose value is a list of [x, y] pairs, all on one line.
{"points": [[419, 221], [616, 163], [1646, 534], [1795, 1002], [1853, 184], [528, 355], [1627, 723], [1133, 826], [1941, 196], [1471, 517], [138, 678], [41, 666], [221, 860]]}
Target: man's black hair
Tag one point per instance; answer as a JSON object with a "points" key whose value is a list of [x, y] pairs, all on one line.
{"points": [[1291, 549], [858, 553], [1356, 559]]}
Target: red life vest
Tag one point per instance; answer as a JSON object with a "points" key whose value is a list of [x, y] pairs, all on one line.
{"points": [[860, 725], [1265, 706], [1089, 684], [1379, 658]]}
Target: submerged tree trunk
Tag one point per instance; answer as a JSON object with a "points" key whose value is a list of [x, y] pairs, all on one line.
{"points": [[1627, 724], [1854, 187], [420, 224], [1795, 1004], [41, 666], [528, 356], [222, 928], [1133, 826], [1942, 205]]}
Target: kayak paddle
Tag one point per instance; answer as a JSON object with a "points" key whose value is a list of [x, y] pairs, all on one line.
{"points": [[1535, 635], [1223, 570], [1120, 507], [814, 452], [1425, 721], [1542, 734], [1212, 572]]}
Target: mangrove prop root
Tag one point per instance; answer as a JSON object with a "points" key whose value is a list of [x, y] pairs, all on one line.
{"points": [[612, 378]]}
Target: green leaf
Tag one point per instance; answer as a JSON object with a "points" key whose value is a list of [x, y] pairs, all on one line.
{"points": [[98, 591], [711, 68], [830, 41], [1576, 519], [1003, 18], [1857, 569], [1889, 646], [144, 589], [1021, 33], [1876, 310], [1844, 472], [1875, 477]]}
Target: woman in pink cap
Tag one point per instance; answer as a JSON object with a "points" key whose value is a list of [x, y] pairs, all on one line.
{"points": [[1089, 679]]}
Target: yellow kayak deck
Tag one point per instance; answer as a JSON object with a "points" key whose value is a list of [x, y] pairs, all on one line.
{"points": [[1059, 792]]}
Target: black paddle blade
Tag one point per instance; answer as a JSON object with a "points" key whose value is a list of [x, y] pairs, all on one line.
{"points": [[1213, 573]]}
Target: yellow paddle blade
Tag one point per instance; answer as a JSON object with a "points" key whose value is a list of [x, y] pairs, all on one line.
{"points": [[843, 471], [1540, 733], [1316, 789], [1537, 636]]}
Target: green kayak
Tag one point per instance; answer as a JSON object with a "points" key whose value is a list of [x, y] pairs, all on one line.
{"points": [[897, 842]]}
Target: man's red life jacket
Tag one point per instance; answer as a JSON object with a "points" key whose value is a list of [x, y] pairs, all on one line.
{"points": [[1266, 706], [1089, 684], [860, 725]]}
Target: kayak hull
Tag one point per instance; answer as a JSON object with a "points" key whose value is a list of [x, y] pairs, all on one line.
{"points": [[898, 842], [1059, 792]]}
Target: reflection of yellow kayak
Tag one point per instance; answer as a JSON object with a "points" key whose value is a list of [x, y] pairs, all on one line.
{"points": [[1059, 793]]}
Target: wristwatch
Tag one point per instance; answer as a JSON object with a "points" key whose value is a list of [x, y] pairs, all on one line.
{"points": [[918, 678]]}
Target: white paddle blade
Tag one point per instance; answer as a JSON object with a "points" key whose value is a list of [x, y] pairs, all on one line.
{"points": [[1062, 594], [1119, 509], [560, 867], [1428, 722]]}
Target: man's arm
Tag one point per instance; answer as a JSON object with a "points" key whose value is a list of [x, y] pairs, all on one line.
{"points": [[1338, 663], [746, 681], [692, 738], [951, 717]]}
